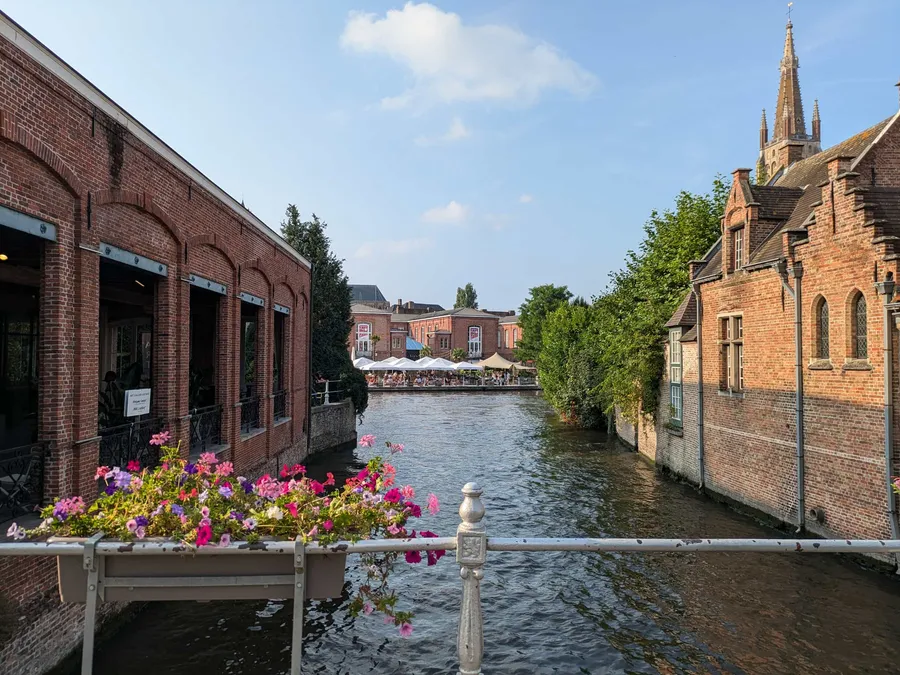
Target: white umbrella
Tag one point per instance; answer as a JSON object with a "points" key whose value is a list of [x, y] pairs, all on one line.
{"points": [[424, 362], [405, 364], [387, 364], [465, 365], [441, 364], [361, 362]]}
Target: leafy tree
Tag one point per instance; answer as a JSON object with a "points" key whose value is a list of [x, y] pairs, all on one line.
{"points": [[458, 354], [569, 375], [542, 301], [331, 320], [466, 297], [425, 351]]}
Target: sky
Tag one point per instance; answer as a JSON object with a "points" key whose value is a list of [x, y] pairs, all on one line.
{"points": [[504, 143]]}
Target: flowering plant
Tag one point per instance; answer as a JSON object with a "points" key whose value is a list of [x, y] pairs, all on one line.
{"points": [[202, 503]]}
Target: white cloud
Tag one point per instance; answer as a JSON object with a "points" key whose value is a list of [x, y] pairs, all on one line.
{"points": [[456, 132], [451, 61], [454, 212], [371, 249], [526, 199]]}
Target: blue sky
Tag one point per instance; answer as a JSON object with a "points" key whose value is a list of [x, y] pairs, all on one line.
{"points": [[508, 144]]}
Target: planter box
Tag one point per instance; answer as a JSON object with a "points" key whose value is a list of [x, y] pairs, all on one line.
{"points": [[245, 576]]}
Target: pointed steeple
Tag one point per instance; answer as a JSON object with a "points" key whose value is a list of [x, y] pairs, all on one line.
{"points": [[763, 131], [791, 122], [816, 122]]}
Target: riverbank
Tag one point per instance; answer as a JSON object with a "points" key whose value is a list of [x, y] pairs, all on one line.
{"points": [[461, 389]]}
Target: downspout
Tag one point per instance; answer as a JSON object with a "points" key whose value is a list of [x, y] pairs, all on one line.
{"points": [[700, 458], [796, 293], [309, 374], [886, 290]]}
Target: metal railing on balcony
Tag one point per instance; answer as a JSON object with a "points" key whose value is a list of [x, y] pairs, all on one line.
{"points": [[279, 405], [471, 544], [206, 429], [130, 442], [327, 391], [21, 479], [249, 414]]}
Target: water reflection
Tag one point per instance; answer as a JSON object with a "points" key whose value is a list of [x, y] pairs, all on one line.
{"points": [[549, 612]]}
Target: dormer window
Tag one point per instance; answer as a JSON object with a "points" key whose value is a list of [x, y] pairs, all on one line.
{"points": [[738, 248]]}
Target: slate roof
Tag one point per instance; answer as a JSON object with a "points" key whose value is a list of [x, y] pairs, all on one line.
{"points": [[357, 308], [690, 336], [462, 311], [366, 293], [510, 319], [713, 260], [429, 306], [686, 314]]}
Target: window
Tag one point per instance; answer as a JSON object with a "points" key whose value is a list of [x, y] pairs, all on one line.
{"points": [[860, 328], [474, 341], [676, 411], [445, 342], [731, 339], [822, 332], [278, 374], [363, 339], [515, 336], [395, 342], [739, 248], [505, 339], [499, 331], [249, 318]]}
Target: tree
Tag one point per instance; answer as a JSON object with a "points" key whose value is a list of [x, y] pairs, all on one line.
{"points": [[457, 354], [330, 319], [466, 297], [425, 351], [542, 301], [375, 340]]}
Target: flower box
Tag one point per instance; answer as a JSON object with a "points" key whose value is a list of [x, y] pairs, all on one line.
{"points": [[243, 576]]}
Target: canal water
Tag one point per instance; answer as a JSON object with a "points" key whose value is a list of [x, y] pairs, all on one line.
{"points": [[548, 612]]}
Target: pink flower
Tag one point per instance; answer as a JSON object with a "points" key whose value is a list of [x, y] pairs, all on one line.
{"points": [[387, 481], [133, 465], [131, 525], [140, 532], [204, 512], [313, 532], [367, 441], [328, 525], [225, 469], [161, 438], [183, 518], [368, 609], [405, 629], [225, 539], [330, 480], [292, 509], [388, 469], [432, 504], [285, 472], [413, 557], [101, 472], [393, 529], [392, 496], [316, 487], [136, 483], [204, 534], [396, 447], [208, 458], [408, 492]]}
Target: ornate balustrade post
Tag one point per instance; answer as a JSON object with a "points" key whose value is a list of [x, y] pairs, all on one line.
{"points": [[471, 550]]}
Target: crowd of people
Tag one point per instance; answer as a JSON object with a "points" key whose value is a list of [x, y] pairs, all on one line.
{"points": [[443, 379]]}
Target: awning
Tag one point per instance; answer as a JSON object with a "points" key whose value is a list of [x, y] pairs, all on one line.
{"points": [[465, 365], [362, 361], [412, 345], [496, 362]]}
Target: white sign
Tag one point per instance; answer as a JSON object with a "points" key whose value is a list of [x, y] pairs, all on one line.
{"points": [[137, 402]]}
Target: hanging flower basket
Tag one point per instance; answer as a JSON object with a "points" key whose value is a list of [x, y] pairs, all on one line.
{"points": [[205, 512]]}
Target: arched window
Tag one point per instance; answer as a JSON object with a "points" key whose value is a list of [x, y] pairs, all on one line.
{"points": [[859, 328], [822, 333]]}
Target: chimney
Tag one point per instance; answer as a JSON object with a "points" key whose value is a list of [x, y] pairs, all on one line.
{"points": [[409, 304], [399, 303], [740, 175], [694, 266], [838, 165]]}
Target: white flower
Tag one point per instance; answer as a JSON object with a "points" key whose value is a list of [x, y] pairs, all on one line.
{"points": [[275, 512], [203, 496], [15, 531]]}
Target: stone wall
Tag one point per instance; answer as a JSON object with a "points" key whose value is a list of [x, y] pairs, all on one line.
{"points": [[333, 426]]}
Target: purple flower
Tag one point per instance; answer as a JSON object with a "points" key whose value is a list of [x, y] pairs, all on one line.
{"points": [[177, 510], [237, 515], [140, 533], [123, 479], [226, 492], [131, 525], [247, 485], [110, 489], [142, 521], [60, 513], [190, 468]]}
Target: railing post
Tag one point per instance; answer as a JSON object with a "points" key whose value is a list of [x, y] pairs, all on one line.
{"points": [[92, 565], [471, 550], [299, 597], [327, 396]]}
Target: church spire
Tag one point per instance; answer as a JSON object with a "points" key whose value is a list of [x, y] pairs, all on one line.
{"points": [[763, 131], [790, 123], [816, 122]]}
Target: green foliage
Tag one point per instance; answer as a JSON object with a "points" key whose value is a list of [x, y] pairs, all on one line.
{"points": [[331, 319], [466, 297], [457, 354], [542, 301], [353, 381], [569, 377], [425, 351], [611, 354]]}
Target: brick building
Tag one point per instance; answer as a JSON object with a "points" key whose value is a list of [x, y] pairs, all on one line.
{"points": [[371, 334], [509, 334], [123, 268], [781, 363], [410, 307], [472, 330]]}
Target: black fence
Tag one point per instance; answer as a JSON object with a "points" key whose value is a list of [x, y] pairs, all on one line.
{"points": [[279, 405], [249, 414], [21, 479], [206, 429], [130, 442]]}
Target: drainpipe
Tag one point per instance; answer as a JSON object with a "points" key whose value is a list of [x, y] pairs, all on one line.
{"points": [[886, 290], [309, 375], [796, 293], [700, 458]]}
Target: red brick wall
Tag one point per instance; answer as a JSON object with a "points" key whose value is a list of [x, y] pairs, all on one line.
{"points": [[381, 326], [51, 166], [510, 334], [458, 327]]}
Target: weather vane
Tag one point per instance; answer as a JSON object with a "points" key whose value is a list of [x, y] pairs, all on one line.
{"points": [[790, 9]]}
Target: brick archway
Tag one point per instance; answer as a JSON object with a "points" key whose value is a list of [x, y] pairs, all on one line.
{"points": [[142, 201]]}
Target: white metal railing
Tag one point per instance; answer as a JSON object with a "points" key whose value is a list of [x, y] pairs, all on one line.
{"points": [[470, 543]]}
